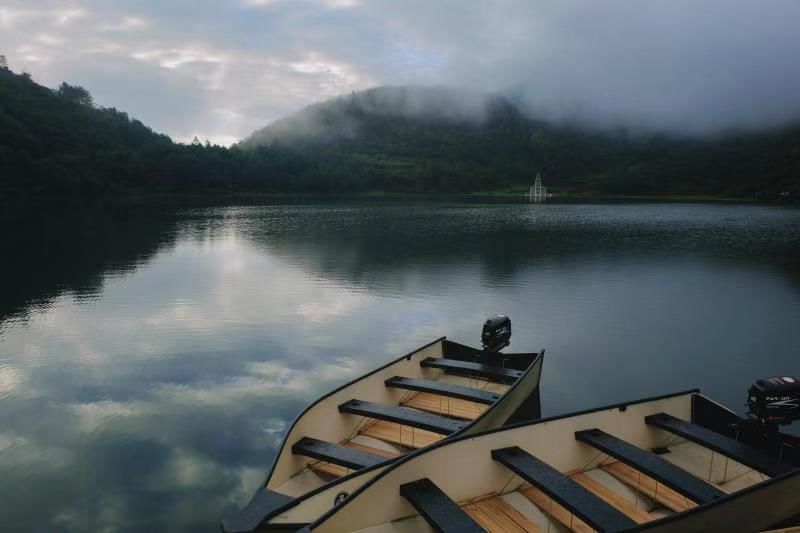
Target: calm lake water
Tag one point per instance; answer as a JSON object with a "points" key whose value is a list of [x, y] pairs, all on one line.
{"points": [[151, 358]]}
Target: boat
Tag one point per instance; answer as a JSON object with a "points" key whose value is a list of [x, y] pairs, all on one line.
{"points": [[441, 390], [665, 464]]}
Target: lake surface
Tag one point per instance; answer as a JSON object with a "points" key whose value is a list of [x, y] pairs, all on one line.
{"points": [[152, 358]]}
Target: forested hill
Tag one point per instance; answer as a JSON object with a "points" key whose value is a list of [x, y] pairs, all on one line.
{"points": [[57, 142], [425, 139], [385, 139]]}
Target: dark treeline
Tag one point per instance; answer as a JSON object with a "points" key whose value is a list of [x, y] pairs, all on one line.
{"points": [[59, 142]]}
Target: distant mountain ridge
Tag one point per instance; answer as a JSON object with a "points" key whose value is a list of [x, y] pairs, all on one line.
{"points": [[387, 139], [434, 138]]}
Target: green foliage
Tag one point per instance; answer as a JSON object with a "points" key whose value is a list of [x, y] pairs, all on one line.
{"points": [[75, 94], [58, 142]]}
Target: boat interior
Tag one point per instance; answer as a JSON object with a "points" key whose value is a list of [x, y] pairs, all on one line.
{"points": [[420, 403], [613, 469], [418, 400]]}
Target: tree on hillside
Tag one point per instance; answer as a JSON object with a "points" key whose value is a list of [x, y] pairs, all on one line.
{"points": [[75, 94], [3, 62]]}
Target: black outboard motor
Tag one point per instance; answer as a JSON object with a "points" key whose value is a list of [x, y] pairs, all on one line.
{"points": [[496, 333], [775, 401]]}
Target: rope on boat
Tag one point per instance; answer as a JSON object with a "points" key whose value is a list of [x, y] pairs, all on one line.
{"points": [[710, 466]]}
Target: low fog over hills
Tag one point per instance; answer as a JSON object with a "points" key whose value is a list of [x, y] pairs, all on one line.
{"points": [[343, 117], [428, 139]]}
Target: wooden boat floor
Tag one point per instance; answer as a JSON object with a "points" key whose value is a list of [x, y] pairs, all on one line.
{"points": [[555, 510], [475, 383], [370, 449], [412, 438], [329, 468], [390, 439], [636, 495], [526, 508], [529, 509], [443, 405], [400, 434], [640, 516], [648, 486], [497, 515], [725, 473], [455, 407]]}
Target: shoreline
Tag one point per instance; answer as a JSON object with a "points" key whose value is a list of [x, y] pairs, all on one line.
{"points": [[226, 198], [637, 197]]}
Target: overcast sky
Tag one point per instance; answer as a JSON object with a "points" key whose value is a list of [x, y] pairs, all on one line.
{"points": [[221, 69]]}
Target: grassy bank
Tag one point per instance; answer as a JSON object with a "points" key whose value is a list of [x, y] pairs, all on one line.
{"points": [[522, 191]]}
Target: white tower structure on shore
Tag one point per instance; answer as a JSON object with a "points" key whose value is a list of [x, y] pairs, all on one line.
{"points": [[538, 193]]}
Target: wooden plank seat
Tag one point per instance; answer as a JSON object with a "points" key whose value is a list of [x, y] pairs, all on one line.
{"points": [[442, 405], [337, 454], [400, 434], [403, 415], [640, 516], [737, 451], [335, 470], [466, 368], [496, 515], [442, 513], [587, 506], [443, 389], [651, 464]]}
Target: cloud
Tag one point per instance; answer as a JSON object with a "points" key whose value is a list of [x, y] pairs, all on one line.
{"points": [[678, 66], [126, 24], [175, 75], [11, 380]]}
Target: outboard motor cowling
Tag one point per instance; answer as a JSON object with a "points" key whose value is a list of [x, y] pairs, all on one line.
{"points": [[496, 333], [775, 400]]}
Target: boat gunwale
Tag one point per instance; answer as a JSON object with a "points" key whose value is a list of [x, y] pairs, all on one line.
{"points": [[402, 459], [536, 358]]}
